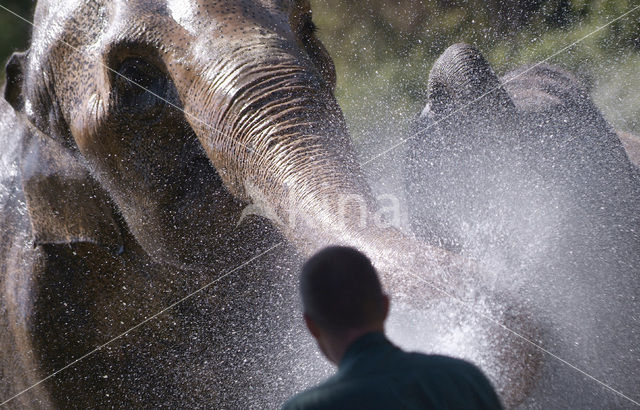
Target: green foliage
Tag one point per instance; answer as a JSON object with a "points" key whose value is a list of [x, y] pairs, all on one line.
{"points": [[384, 49], [14, 32]]}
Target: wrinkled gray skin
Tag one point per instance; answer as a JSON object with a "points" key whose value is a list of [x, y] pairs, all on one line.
{"points": [[534, 183], [116, 204]]}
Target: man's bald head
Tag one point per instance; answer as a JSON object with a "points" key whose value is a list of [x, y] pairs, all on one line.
{"points": [[341, 291]]}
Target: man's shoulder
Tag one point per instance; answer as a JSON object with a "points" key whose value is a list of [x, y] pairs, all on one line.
{"points": [[436, 366], [436, 362], [315, 397], [402, 377], [344, 392], [454, 379]]}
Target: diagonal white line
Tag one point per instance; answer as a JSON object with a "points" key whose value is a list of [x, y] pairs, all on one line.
{"points": [[518, 335], [150, 318], [207, 125], [280, 243], [433, 124]]}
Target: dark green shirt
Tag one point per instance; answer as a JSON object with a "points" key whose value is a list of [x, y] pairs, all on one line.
{"points": [[375, 374]]}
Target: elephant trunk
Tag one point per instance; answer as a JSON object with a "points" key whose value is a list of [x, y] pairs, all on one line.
{"points": [[278, 139], [459, 78]]}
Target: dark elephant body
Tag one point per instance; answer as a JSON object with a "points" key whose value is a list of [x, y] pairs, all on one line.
{"points": [[60, 301], [531, 180]]}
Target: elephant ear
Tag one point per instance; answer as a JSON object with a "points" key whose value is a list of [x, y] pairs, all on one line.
{"points": [[65, 203], [462, 79]]}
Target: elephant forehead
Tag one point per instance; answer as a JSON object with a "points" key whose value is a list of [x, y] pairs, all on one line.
{"points": [[235, 19], [47, 9], [199, 32], [184, 13], [232, 17], [202, 28], [193, 14], [185, 28], [192, 9]]}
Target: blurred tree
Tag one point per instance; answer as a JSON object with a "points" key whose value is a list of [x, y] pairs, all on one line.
{"points": [[383, 49], [14, 32]]}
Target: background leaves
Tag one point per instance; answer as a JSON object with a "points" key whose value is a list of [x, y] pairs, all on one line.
{"points": [[384, 49], [14, 33]]}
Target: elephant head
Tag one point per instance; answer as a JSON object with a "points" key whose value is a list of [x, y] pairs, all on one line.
{"points": [[526, 175], [183, 112], [537, 126], [178, 115]]}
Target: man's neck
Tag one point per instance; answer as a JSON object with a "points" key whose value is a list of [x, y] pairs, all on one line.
{"points": [[337, 346]]}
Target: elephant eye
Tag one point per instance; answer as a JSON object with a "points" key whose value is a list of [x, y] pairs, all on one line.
{"points": [[139, 85], [307, 28]]}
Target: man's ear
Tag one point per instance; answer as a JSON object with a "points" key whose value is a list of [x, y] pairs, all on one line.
{"points": [[386, 301], [312, 326], [65, 203], [15, 70]]}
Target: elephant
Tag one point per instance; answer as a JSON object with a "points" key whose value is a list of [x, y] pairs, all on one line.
{"points": [[631, 145], [157, 150], [524, 174]]}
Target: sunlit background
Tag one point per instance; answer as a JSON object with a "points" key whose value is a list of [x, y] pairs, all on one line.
{"points": [[384, 49]]}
